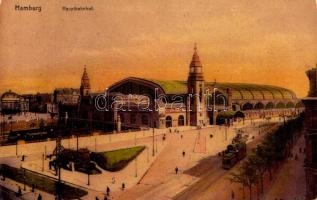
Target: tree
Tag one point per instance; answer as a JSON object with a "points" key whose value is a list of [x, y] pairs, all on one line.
{"points": [[258, 164], [239, 178], [247, 176]]}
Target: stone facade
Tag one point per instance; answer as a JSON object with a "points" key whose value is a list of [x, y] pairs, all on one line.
{"points": [[11, 103], [310, 103], [195, 102]]}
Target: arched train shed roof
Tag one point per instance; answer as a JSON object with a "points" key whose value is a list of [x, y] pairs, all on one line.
{"points": [[254, 91], [239, 91]]}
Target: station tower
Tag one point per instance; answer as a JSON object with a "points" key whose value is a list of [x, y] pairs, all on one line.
{"points": [[196, 87]]}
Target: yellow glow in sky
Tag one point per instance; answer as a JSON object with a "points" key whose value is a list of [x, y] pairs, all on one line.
{"points": [[270, 42]]}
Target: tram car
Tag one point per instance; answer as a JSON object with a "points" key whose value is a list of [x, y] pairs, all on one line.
{"points": [[234, 152]]}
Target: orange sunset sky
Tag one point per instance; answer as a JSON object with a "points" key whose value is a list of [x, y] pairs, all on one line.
{"points": [[254, 41]]}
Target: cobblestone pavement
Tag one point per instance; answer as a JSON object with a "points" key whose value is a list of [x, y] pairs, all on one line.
{"points": [[147, 178]]}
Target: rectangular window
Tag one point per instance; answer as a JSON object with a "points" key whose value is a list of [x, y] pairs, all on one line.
{"points": [[314, 118], [314, 151], [133, 119]]}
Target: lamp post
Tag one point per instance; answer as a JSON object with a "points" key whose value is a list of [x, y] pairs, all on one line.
{"points": [[24, 187], [156, 145], [1, 131], [16, 147], [136, 167], [153, 151], [43, 162], [95, 144], [214, 106], [45, 153], [134, 138], [77, 141], [58, 150]]}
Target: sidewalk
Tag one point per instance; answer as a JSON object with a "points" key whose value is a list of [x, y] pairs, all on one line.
{"points": [[161, 181], [27, 194], [159, 170], [289, 183]]}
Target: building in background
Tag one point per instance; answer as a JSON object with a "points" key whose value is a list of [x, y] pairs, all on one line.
{"points": [[67, 102], [202, 102], [195, 102], [12, 103], [40, 102], [310, 103]]}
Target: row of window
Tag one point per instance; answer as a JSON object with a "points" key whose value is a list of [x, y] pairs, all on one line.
{"points": [[145, 120]]}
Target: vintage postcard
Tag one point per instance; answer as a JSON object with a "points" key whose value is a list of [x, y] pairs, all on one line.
{"points": [[158, 100]]}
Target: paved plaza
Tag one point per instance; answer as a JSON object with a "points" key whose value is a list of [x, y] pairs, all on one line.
{"points": [[148, 176]]}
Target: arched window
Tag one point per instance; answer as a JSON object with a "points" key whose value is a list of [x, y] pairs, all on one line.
{"points": [[290, 105], [247, 106], [168, 121], [269, 105], [259, 106], [181, 120], [280, 105], [299, 105]]}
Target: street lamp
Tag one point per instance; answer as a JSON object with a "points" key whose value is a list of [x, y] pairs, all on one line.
{"points": [[24, 187], [214, 106], [95, 144], [214, 98], [88, 178], [1, 131], [136, 167], [58, 150], [153, 151], [43, 162], [156, 145]]}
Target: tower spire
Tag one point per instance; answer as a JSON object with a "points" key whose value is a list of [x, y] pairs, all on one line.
{"points": [[195, 67], [196, 87], [85, 83]]}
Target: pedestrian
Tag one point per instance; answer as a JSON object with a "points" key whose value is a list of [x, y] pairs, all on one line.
{"points": [[176, 170], [19, 193], [33, 187], [97, 198], [39, 197], [123, 186], [22, 158], [232, 194], [181, 136], [108, 191], [183, 153]]}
